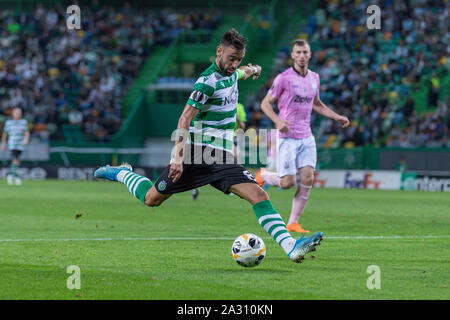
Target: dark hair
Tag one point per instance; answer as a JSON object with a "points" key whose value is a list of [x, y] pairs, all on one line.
{"points": [[299, 42], [233, 38]]}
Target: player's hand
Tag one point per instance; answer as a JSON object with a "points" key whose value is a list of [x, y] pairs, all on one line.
{"points": [[258, 71], [343, 121], [176, 170], [282, 125]]}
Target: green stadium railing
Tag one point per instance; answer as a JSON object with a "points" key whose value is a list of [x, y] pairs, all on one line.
{"points": [[348, 158], [358, 158], [369, 157]]}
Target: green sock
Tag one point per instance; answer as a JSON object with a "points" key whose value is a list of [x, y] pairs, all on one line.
{"points": [[272, 222], [14, 169], [136, 184]]}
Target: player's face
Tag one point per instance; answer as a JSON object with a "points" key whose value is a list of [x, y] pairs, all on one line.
{"points": [[17, 114], [301, 55], [229, 59]]}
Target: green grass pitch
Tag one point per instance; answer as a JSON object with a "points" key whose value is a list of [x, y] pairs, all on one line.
{"points": [[182, 250]]}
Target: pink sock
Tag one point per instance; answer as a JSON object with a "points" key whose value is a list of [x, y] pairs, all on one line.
{"points": [[299, 203], [271, 178]]}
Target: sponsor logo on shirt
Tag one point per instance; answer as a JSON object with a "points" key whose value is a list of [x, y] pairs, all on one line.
{"points": [[301, 99], [232, 98]]}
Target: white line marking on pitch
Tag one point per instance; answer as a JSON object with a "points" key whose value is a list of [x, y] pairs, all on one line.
{"points": [[220, 238]]}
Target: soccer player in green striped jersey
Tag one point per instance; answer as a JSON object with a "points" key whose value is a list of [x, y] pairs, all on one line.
{"points": [[241, 119], [203, 152], [15, 136]]}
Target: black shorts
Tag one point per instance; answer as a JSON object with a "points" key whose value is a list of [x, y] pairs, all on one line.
{"points": [[16, 153], [219, 175]]}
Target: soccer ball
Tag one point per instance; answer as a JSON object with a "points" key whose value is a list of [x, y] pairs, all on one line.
{"points": [[248, 250]]}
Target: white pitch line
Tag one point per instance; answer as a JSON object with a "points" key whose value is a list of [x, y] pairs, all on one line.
{"points": [[388, 237], [221, 238]]}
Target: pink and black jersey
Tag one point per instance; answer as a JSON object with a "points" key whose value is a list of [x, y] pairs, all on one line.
{"points": [[295, 94]]}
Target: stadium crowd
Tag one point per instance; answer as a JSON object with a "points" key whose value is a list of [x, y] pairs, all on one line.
{"points": [[75, 80], [371, 77]]}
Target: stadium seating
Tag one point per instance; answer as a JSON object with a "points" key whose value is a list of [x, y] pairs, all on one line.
{"points": [[95, 73], [54, 74], [369, 79]]}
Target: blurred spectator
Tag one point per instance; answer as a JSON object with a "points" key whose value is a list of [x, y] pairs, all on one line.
{"points": [[402, 165], [79, 77], [75, 117], [433, 94], [369, 76], [408, 108]]}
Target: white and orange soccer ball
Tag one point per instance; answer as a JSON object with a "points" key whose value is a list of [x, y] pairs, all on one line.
{"points": [[248, 250]]}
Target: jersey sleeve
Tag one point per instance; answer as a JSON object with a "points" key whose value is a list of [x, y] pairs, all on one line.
{"points": [[7, 125], [277, 87], [201, 92]]}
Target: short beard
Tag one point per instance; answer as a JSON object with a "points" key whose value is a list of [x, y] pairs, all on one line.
{"points": [[305, 66], [222, 68]]}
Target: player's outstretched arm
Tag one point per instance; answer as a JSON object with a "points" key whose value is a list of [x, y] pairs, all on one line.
{"points": [[321, 108], [266, 107], [250, 70], [176, 164], [26, 137]]}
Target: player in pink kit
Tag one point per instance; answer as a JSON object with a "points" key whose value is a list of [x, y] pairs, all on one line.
{"points": [[297, 92]]}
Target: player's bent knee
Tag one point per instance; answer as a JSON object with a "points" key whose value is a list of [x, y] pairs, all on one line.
{"points": [[148, 202], [307, 176], [152, 202], [155, 204], [154, 199], [261, 195], [308, 181]]}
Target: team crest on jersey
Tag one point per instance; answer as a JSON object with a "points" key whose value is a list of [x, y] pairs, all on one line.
{"points": [[162, 185], [314, 86]]}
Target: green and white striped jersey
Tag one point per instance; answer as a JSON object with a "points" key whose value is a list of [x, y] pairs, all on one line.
{"points": [[215, 95], [16, 132]]}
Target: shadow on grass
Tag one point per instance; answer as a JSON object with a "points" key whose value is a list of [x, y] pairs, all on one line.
{"points": [[258, 270]]}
